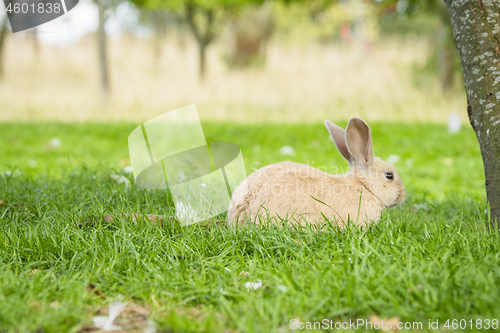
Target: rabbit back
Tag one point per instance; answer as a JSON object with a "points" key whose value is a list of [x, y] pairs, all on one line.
{"points": [[301, 193]]}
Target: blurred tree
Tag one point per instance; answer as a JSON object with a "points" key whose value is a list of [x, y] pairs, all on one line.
{"points": [[345, 19], [3, 34], [36, 43], [444, 47], [204, 32], [159, 21], [302, 21], [476, 29], [202, 16], [102, 46], [249, 33]]}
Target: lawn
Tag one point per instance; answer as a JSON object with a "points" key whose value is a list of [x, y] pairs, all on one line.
{"points": [[430, 259]]}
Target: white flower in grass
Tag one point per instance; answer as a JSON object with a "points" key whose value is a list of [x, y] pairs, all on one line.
{"points": [[419, 207], [254, 285], [393, 159], [120, 179], [151, 327], [8, 173], [447, 161], [183, 210], [287, 150], [454, 122], [128, 169], [282, 287], [105, 323], [55, 142]]}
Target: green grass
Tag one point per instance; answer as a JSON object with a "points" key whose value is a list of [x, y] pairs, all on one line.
{"points": [[431, 258], [433, 163]]}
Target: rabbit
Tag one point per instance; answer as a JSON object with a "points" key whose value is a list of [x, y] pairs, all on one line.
{"points": [[305, 194]]}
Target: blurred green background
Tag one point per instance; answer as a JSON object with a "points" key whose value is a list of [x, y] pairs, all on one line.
{"points": [[263, 61], [433, 163], [264, 75]]}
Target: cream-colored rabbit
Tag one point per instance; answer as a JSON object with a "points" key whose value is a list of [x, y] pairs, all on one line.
{"points": [[294, 191]]}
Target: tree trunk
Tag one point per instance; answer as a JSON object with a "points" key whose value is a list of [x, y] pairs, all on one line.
{"points": [[202, 48], [476, 28], [445, 49], [160, 23], [3, 34], [102, 49], [203, 38], [36, 44], [250, 31], [181, 34]]}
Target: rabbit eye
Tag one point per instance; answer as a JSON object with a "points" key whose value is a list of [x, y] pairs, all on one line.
{"points": [[389, 175]]}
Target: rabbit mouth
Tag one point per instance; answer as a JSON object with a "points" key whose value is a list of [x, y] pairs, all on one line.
{"points": [[401, 197]]}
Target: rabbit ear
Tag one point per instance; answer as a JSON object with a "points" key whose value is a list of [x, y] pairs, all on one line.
{"points": [[338, 136], [359, 141]]}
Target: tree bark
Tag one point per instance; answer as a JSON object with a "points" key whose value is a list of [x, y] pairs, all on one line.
{"points": [[102, 49], [476, 29]]}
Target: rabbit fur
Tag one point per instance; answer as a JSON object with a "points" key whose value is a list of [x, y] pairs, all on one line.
{"points": [[303, 194]]}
